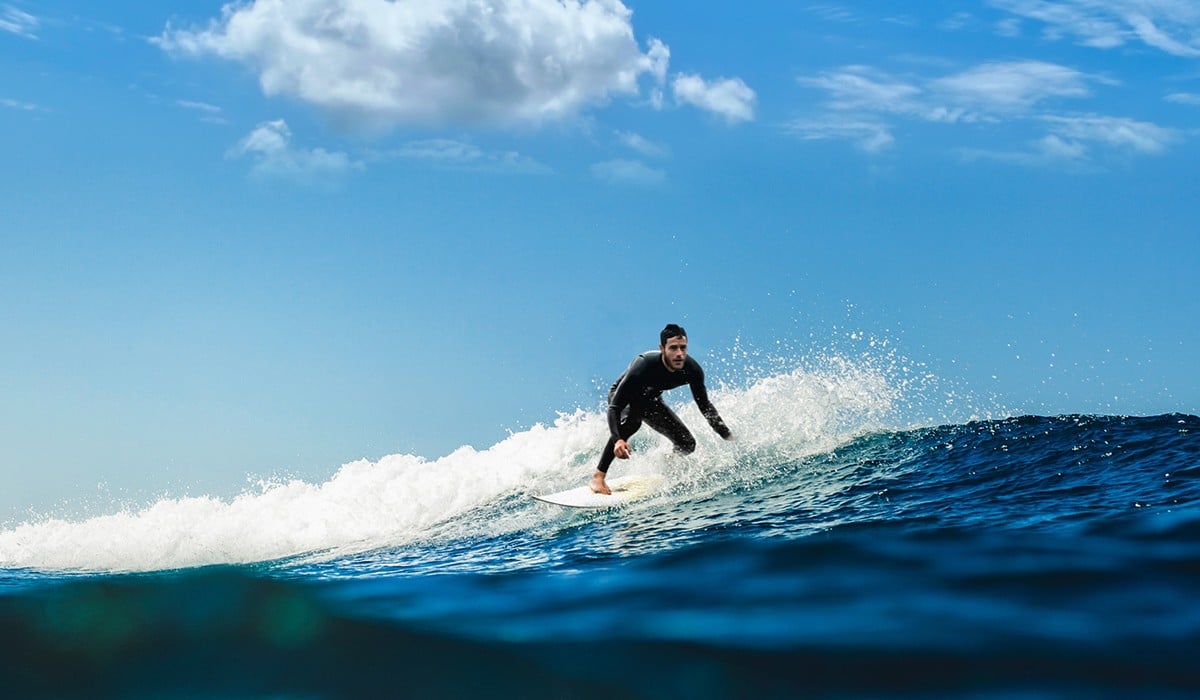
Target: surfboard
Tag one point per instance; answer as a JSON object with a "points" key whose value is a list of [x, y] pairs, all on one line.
{"points": [[624, 490]]}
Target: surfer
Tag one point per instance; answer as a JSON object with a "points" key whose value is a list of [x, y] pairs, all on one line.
{"points": [[636, 396]]}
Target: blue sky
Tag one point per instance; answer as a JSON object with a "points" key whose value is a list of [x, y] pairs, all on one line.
{"points": [[269, 238]]}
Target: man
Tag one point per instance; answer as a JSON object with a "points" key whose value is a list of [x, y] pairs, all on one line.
{"points": [[637, 396]]}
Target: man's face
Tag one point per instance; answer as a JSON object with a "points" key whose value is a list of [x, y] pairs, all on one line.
{"points": [[674, 352]]}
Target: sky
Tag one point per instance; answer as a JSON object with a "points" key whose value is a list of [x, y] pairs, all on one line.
{"points": [[266, 238]]}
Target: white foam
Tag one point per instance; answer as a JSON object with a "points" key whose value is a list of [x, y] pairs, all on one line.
{"points": [[401, 499]]}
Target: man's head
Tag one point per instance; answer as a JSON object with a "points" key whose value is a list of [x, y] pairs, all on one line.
{"points": [[673, 344]]}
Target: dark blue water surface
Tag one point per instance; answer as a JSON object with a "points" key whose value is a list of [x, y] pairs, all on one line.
{"points": [[1025, 558]]}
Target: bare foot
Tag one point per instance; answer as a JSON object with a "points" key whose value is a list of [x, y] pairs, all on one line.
{"points": [[598, 485]]}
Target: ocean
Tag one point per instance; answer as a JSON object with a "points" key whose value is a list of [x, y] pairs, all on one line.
{"points": [[837, 548]]}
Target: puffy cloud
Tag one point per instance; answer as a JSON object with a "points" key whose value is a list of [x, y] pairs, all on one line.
{"points": [[729, 98], [660, 59], [270, 146], [375, 63]]}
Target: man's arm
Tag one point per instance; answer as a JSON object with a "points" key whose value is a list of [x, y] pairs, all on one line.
{"points": [[621, 448], [623, 393], [618, 402], [707, 409]]}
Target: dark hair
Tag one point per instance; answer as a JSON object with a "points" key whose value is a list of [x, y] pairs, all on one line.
{"points": [[669, 332]]}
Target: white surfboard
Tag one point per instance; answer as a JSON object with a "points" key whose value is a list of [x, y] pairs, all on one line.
{"points": [[624, 490]]}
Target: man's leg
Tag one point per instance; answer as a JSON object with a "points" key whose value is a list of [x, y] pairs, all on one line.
{"points": [[664, 420]]}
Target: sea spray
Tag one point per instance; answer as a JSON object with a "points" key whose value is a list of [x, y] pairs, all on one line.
{"points": [[402, 500]]}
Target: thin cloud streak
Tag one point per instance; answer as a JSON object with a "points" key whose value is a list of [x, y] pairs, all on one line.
{"points": [[871, 137], [861, 101], [457, 155], [19, 105], [628, 172], [18, 22], [1171, 26]]}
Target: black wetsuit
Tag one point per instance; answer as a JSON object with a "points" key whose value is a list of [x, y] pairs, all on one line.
{"points": [[637, 396]]}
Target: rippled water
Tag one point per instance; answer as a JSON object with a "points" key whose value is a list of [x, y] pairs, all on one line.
{"points": [[1031, 557]]}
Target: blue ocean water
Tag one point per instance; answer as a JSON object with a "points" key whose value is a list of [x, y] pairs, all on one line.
{"points": [[823, 553]]}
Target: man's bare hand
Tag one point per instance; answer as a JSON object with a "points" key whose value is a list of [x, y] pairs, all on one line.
{"points": [[622, 450]]}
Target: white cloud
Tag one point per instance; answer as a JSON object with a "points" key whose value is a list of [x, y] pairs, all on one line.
{"points": [[984, 93], [17, 104], [632, 172], [439, 150], [1184, 98], [1172, 26], [269, 145], [1149, 31], [862, 101], [376, 64], [729, 98], [1049, 151], [641, 144], [17, 22], [833, 13], [465, 156], [199, 106], [660, 59], [871, 137], [208, 113], [1009, 28], [1055, 148], [1065, 17], [862, 88], [1073, 141], [957, 22], [1115, 132], [1001, 88]]}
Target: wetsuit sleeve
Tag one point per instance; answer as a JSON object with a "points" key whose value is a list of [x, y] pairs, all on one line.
{"points": [[614, 420], [707, 409], [621, 396]]}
